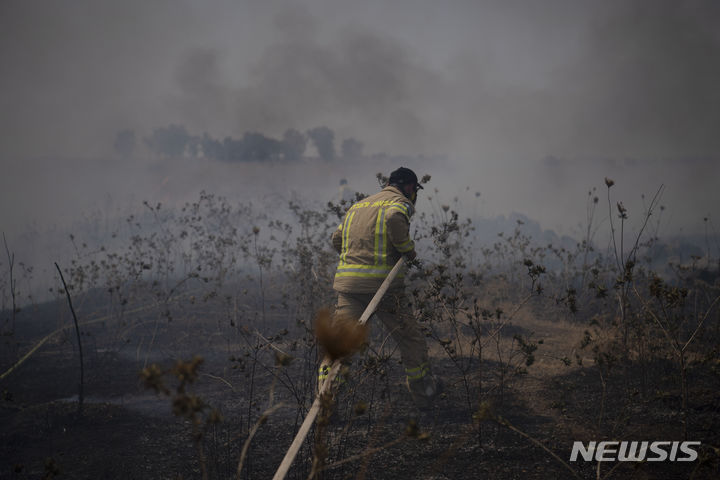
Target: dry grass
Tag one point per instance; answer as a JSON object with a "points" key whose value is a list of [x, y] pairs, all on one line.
{"points": [[560, 340]]}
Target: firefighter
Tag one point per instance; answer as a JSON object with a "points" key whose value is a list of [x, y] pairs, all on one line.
{"points": [[372, 237]]}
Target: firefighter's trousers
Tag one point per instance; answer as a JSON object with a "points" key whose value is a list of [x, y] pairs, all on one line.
{"points": [[394, 311]]}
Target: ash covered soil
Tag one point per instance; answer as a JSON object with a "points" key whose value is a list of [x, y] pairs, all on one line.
{"points": [[484, 426]]}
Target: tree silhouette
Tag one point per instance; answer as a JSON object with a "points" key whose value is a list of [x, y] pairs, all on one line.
{"points": [[212, 148], [294, 144], [324, 140], [168, 141], [258, 147]]}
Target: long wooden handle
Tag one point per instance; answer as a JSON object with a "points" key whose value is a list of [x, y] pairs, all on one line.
{"points": [[334, 369], [307, 423]]}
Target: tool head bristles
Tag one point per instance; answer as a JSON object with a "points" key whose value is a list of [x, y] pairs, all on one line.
{"points": [[339, 335]]}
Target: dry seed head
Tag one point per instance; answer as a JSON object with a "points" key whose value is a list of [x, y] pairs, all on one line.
{"points": [[339, 336], [152, 378], [215, 417], [622, 211]]}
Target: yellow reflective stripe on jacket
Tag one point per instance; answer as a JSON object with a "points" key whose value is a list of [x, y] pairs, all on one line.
{"points": [[350, 270], [364, 274], [418, 372], [380, 239], [402, 207], [405, 246], [345, 235]]}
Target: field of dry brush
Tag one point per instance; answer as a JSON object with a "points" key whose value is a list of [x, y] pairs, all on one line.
{"points": [[199, 360]]}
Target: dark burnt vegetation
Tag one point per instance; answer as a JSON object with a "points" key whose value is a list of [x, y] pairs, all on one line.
{"points": [[197, 330]]}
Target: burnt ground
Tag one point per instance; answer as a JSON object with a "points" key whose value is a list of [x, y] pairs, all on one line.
{"points": [[128, 431]]}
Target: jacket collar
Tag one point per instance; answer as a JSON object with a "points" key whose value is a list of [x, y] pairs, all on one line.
{"points": [[391, 188]]}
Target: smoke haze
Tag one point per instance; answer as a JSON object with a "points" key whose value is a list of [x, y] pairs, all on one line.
{"points": [[531, 103]]}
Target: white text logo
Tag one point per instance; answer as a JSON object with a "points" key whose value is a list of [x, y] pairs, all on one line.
{"points": [[635, 451]]}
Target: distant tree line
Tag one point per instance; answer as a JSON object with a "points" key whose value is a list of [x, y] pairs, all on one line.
{"points": [[176, 141]]}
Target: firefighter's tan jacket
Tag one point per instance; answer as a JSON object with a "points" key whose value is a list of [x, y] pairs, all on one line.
{"points": [[373, 235]]}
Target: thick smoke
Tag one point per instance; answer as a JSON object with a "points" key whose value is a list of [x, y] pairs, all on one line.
{"points": [[625, 89], [647, 82], [618, 78], [358, 81]]}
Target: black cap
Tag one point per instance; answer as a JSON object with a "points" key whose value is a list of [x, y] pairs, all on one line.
{"points": [[403, 176]]}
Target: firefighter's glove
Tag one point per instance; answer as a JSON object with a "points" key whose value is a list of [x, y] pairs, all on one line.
{"points": [[412, 260]]}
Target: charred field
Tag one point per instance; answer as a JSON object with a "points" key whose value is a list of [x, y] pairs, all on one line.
{"points": [[199, 360]]}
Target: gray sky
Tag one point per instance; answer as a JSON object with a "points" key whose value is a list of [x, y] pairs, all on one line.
{"points": [[533, 102]]}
